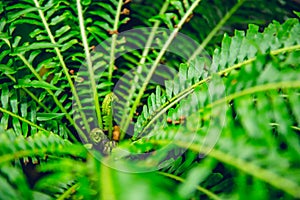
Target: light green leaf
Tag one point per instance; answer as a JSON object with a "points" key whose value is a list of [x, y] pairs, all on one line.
{"points": [[36, 84], [7, 70], [34, 46], [49, 116]]}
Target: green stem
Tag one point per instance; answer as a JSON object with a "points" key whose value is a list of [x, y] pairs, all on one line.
{"points": [[106, 183], [57, 102], [268, 176], [255, 89], [296, 128], [151, 38], [32, 152], [210, 194], [68, 192], [162, 109], [292, 127], [155, 64], [24, 120], [248, 91], [114, 41], [36, 99], [142, 62], [65, 69], [22, 153], [90, 65], [30, 94], [41, 104], [110, 125], [216, 29]]}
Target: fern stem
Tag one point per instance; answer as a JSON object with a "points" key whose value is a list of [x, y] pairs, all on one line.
{"points": [[292, 127], [68, 192], [143, 60], [106, 183], [296, 128], [162, 109], [65, 69], [41, 104], [24, 120], [90, 65], [110, 125], [22, 153], [155, 64], [210, 194], [36, 99], [216, 29], [57, 102], [248, 91], [114, 41], [151, 38], [30, 67], [255, 89], [36, 152], [267, 176], [30, 94]]}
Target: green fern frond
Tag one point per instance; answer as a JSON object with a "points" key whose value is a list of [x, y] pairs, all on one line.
{"points": [[223, 65], [125, 121], [37, 145], [261, 93], [15, 147], [226, 126]]}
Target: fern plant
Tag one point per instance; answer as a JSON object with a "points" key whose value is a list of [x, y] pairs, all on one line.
{"points": [[82, 118]]}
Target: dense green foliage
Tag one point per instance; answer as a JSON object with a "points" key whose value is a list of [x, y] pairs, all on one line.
{"points": [[81, 118]]}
